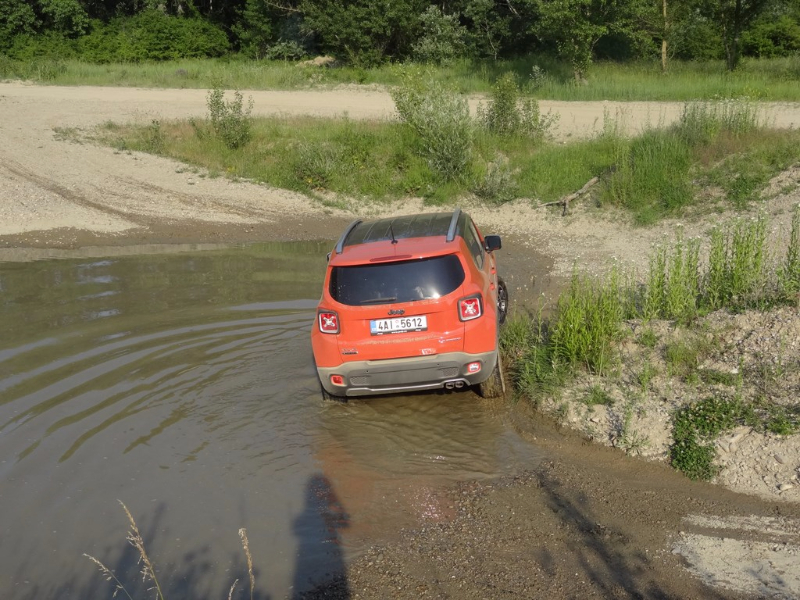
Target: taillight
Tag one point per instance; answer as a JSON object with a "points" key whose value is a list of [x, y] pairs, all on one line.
{"points": [[337, 380], [328, 321], [470, 307]]}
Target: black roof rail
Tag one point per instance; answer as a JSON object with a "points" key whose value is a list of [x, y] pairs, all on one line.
{"points": [[451, 232], [343, 239]]}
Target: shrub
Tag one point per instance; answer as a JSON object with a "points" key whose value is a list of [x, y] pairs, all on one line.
{"points": [[441, 120], [508, 115], [497, 184], [230, 120], [442, 38]]}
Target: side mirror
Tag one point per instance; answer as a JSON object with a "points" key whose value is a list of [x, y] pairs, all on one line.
{"points": [[492, 242], [329, 257]]}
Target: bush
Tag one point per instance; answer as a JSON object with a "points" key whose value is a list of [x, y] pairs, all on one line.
{"points": [[497, 184], [230, 120], [508, 115], [152, 35], [441, 120], [442, 39]]}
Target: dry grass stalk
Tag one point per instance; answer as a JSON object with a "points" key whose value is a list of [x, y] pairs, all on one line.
{"points": [[109, 575], [233, 587], [135, 539], [246, 546]]}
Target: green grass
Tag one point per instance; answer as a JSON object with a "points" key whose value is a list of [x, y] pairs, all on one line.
{"points": [[758, 79], [582, 334], [659, 173]]}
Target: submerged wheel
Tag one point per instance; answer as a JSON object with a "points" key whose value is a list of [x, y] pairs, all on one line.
{"points": [[495, 386], [502, 300]]}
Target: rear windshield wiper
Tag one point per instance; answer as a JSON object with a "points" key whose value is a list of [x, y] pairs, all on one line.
{"points": [[379, 300]]}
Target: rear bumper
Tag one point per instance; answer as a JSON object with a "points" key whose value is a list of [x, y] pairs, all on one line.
{"points": [[370, 377]]}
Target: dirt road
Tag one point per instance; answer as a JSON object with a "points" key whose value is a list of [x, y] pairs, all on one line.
{"points": [[592, 524]]}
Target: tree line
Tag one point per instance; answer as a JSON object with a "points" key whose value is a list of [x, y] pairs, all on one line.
{"points": [[371, 32]]}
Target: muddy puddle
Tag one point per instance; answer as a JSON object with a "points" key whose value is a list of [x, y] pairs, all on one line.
{"points": [[183, 385]]}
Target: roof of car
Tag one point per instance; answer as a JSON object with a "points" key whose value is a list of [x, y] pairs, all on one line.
{"points": [[398, 228], [390, 239]]}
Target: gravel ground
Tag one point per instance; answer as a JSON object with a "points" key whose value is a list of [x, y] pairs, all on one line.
{"points": [[590, 522]]}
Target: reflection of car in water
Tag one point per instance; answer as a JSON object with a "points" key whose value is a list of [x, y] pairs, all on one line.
{"points": [[410, 303]]}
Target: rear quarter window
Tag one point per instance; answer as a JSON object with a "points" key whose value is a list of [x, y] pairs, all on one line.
{"points": [[404, 281]]}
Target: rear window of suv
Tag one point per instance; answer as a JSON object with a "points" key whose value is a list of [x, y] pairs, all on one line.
{"points": [[405, 281]]}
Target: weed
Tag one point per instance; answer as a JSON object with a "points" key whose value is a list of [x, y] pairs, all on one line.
{"points": [[497, 185], [645, 377], [597, 396], [789, 273], [588, 320], [683, 356], [230, 119], [715, 377], [695, 427], [630, 440], [648, 338], [737, 264]]}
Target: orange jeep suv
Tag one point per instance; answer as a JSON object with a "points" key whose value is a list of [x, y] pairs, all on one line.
{"points": [[410, 303]]}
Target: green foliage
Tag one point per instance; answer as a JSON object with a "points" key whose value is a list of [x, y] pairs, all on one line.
{"points": [[652, 176], [152, 35], [441, 120], [648, 338], [673, 281], [230, 119], [588, 320], [255, 32], [508, 115], [490, 26], [737, 273], [67, 17], [442, 37], [363, 32], [789, 273], [770, 37], [597, 396], [497, 184], [694, 428], [16, 18]]}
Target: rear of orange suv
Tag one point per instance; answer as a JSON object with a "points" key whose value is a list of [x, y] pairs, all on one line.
{"points": [[410, 303]]}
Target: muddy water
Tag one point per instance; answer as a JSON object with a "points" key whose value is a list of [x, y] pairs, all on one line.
{"points": [[183, 385]]}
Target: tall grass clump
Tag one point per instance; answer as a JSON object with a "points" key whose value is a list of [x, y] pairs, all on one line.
{"points": [[673, 281], [737, 274], [230, 120], [701, 122], [789, 273], [652, 175], [588, 319], [441, 120]]}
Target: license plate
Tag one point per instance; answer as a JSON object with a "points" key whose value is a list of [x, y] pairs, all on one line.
{"points": [[398, 325]]}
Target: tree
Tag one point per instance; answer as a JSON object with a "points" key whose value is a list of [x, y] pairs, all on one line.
{"points": [[575, 26], [490, 25], [363, 32], [732, 18], [67, 17], [442, 37], [16, 18]]}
